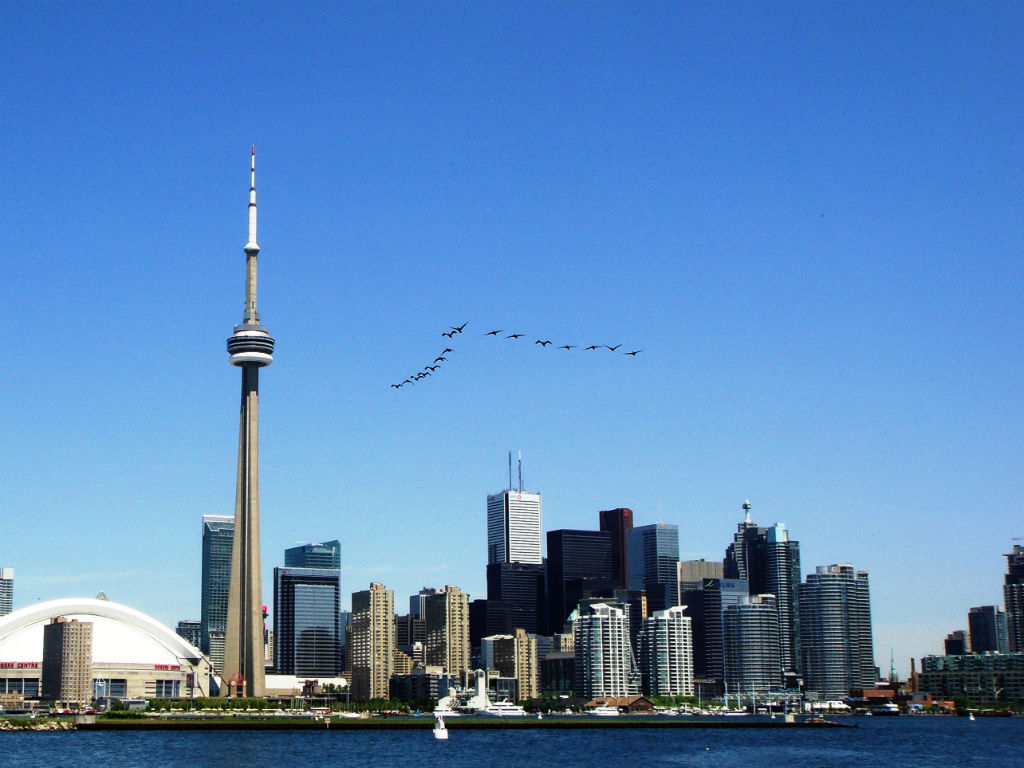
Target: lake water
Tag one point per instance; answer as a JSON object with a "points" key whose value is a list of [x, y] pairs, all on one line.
{"points": [[942, 742]]}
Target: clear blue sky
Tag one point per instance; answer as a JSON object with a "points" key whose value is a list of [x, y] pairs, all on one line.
{"points": [[808, 216]]}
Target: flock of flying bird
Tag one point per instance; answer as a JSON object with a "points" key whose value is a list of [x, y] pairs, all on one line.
{"points": [[428, 370]]}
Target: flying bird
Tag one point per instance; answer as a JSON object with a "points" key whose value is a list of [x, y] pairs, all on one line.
{"points": [[514, 336], [458, 329], [634, 353], [450, 334], [431, 368], [495, 333], [543, 343], [568, 346], [612, 348], [592, 346], [396, 386], [439, 359], [446, 350]]}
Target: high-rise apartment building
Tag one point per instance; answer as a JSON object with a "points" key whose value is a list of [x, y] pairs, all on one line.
{"points": [[605, 664], [6, 591], [67, 661], [750, 633], [579, 565], [1013, 598], [307, 628], [653, 554], [514, 527], [514, 655], [988, 629], [618, 522], [191, 630], [325, 555], [373, 642], [835, 631], [447, 642], [665, 653], [218, 538]]}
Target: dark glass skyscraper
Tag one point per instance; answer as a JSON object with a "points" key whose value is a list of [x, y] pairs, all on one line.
{"points": [[653, 555], [770, 562], [579, 565], [515, 598], [325, 555], [987, 626], [618, 522], [307, 628], [218, 537], [1013, 598], [705, 606]]}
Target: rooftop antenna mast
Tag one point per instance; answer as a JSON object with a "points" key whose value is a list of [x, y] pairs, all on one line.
{"points": [[510, 470], [520, 471]]}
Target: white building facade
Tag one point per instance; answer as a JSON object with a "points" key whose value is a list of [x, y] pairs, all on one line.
{"points": [[666, 653]]}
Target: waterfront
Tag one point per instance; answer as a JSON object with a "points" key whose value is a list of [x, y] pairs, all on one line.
{"points": [[876, 742]]}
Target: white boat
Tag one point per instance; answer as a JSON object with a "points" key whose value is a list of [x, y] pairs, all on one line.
{"points": [[970, 716], [605, 710], [502, 709], [440, 732]]}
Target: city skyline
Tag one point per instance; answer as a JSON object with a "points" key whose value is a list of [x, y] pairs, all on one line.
{"points": [[804, 216]]}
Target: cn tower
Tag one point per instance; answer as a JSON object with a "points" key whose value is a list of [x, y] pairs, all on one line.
{"points": [[251, 348]]}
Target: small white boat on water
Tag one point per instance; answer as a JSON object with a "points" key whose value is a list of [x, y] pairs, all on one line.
{"points": [[605, 710], [440, 731]]}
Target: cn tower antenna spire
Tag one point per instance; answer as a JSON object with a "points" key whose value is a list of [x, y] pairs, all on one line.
{"points": [[252, 249]]}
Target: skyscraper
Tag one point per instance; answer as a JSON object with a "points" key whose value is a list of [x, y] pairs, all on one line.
{"points": [[218, 540], [665, 653], [988, 628], [653, 553], [515, 597], [835, 631], [778, 573], [770, 562], [447, 641], [618, 522], [1013, 598], [957, 643], [250, 348], [325, 555], [750, 633], [579, 565], [67, 661], [514, 527], [6, 591], [605, 664], [373, 642], [705, 606], [307, 631], [736, 554]]}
